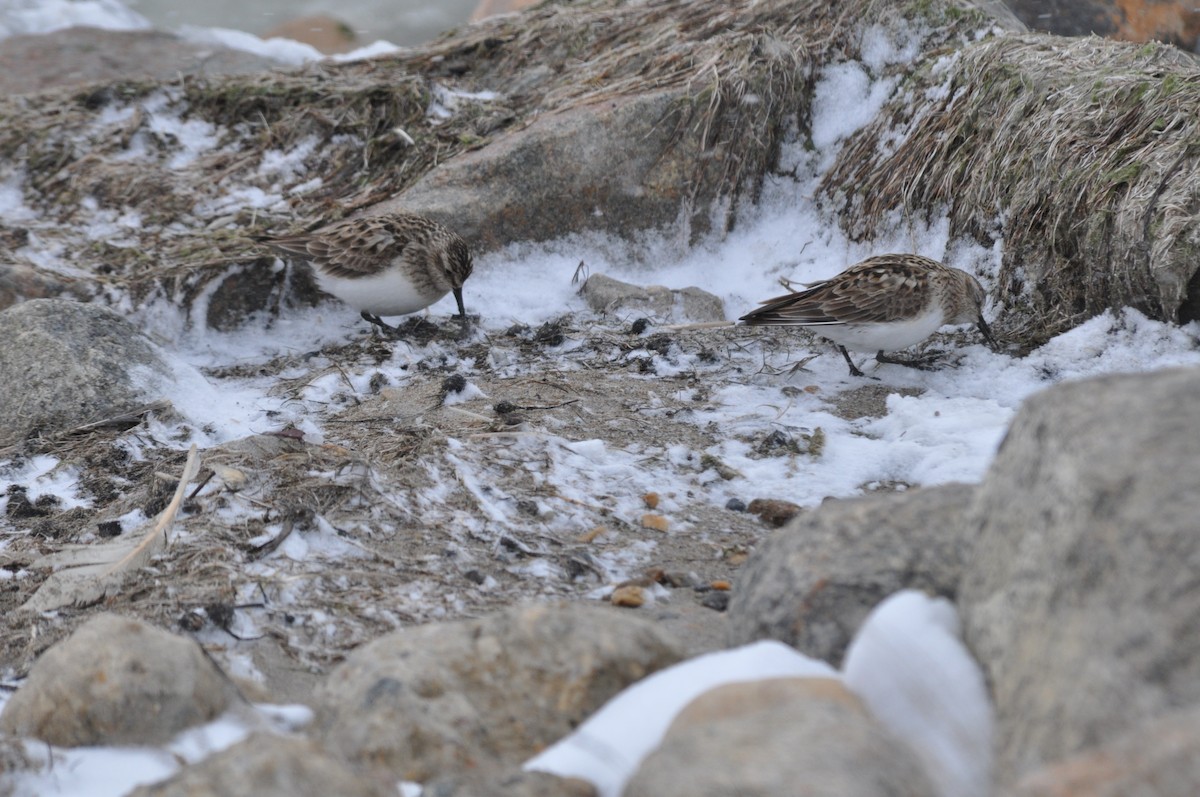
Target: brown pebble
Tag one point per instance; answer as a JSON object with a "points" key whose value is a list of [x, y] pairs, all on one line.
{"points": [[588, 536], [773, 511], [679, 579], [722, 585], [654, 522], [651, 500], [737, 559], [628, 595]]}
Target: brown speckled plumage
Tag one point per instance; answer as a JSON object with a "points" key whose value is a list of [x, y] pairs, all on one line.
{"points": [[884, 303], [384, 265]]}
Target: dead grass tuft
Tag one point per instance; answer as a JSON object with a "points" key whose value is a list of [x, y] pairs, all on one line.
{"points": [[1082, 153]]}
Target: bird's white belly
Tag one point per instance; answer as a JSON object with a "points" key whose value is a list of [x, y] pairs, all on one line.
{"points": [[888, 336], [387, 293]]}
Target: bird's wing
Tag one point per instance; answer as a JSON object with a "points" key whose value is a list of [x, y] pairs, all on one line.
{"points": [[866, 293], [351, 248]]}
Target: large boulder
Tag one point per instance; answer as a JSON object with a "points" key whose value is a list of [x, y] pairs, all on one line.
{"points": [[1080, 597], [439, 699], [1160, 758], [615, 166], [66, 363], [117, 681], [1174, 21], [81, 55], [805, 736], [265, 765], [813, 583]]}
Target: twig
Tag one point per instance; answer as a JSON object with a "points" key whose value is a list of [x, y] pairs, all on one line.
{"points": [[200, 486], [121, 419], [545, 406], [273, 543], [698, 325]]}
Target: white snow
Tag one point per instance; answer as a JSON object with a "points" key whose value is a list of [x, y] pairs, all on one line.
{"points": [[43, 16], [12, 200], [906, 663], [919, 680], [27, 17], [607, 748], [445, 101], [284, 51], [115, 771], [40, 475]]}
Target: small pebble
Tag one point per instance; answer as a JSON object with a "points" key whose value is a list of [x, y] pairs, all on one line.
{"points": [[721, 585], [773, 511], [677, 579], [654, 522], [232, 479], [629, 595], [651, 500], [453, 384], [735, 505], [715, 600], [588, 536], [639, 326]]}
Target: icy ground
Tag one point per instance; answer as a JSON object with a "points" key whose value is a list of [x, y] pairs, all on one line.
{"points": [[719, 393]]}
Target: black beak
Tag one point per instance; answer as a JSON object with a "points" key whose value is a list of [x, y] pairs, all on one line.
{"points": [[462, 311], [987, 333]]}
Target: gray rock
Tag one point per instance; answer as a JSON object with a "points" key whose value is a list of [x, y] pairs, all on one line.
{"points": [[812, 583], [509, 782], [65, 363], [613, 166], [117, 681], [1080, 597], [435, 699], [609, 296], [20, 282], [80, 55], [265, 765], [785, 736], [1144, 20], [1158, 759]]}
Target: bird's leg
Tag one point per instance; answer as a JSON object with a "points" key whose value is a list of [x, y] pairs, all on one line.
{"points": [[854, 369], [462, 316], [987, 334], [925, 362], [377, 321]]}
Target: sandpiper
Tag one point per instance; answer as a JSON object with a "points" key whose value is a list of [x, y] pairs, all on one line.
{"points": [[392, 264], [885, 303]]}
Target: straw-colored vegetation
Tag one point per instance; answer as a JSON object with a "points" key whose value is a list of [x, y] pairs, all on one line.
{"points": [[1083, 154]]}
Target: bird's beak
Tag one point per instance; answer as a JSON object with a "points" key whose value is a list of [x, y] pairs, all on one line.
{"points": [[987, 333], [462, 311]]}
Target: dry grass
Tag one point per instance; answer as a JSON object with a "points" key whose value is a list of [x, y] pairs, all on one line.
{"points": [[1086, 149]]}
